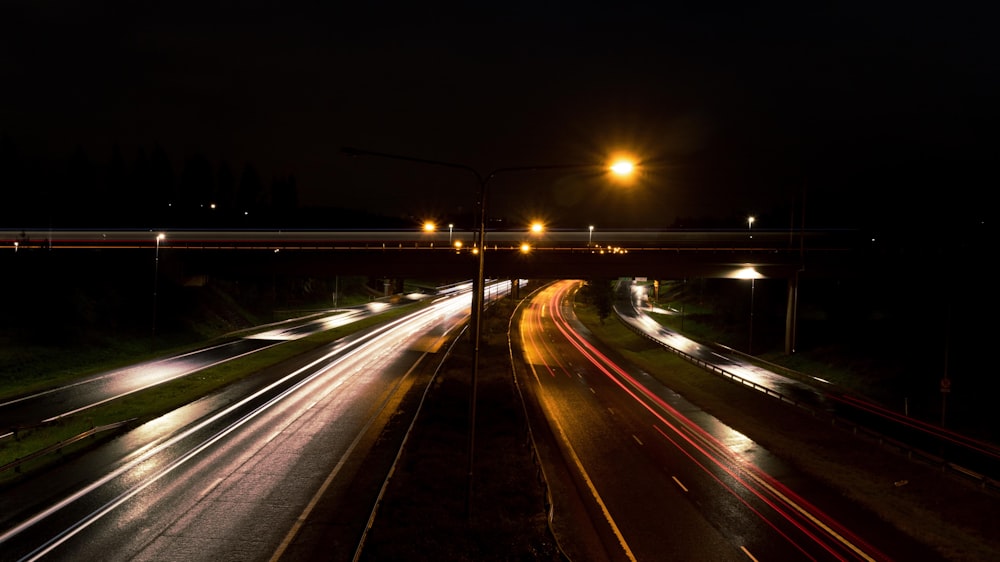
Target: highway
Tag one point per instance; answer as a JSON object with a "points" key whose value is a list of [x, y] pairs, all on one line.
{"points": [[234, 475], [657, 478]]}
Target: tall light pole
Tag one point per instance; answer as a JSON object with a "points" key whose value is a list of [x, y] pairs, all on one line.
{"points": [[750, 221], [590, 236], [621, 168], [156, 279], [451, 228], [750, 340]]}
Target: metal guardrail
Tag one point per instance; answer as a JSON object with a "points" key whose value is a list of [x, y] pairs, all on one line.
{"points": [[16, 463], [982, 481]]}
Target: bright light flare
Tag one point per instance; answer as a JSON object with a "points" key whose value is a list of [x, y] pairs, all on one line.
{"points": [[429, 226], [746, 273], [622, 168], [537, 227], [525, 248]]}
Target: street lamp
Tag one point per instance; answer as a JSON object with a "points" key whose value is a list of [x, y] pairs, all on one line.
{"points": [[750, 221], [752, 274], [621, 167], [590, 237], [156, 279], [451, 227]]}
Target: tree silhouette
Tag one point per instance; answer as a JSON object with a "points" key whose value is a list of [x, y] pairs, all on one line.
{"points": [[225, 192], [250, 192], [284, 200], [117, 208], [139, 189], [196, 188], [161, 185], [76, 197]]}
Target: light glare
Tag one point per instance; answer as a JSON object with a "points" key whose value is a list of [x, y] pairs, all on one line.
{"points": [[623, 168]]}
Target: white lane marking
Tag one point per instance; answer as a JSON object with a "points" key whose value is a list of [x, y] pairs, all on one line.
{"points": [[683, 487]]}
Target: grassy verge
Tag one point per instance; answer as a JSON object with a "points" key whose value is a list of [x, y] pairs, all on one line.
{"points": [[158, 400]]}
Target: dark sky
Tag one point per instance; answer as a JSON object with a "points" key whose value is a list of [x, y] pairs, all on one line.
{"points": [[878, 111]]}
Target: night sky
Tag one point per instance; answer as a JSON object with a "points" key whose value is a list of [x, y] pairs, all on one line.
{"points": [[879, 113]]}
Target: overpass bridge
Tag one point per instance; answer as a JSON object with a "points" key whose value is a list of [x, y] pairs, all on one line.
{"points": [[788, 255], [655, 253]]}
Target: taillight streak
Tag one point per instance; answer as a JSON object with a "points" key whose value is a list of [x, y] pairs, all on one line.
{"points": [[538, 344]]}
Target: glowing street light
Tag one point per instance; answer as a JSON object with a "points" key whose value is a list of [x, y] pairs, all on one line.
{"points": [[590, 236], [429, 226], [537, 227], [156, 279], [623, 168], [750, 221], [451, 227]]}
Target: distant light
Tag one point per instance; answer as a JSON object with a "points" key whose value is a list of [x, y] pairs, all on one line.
{"points": [[212, 205], [525, 248], [458, 243], [537, 227], [160, 236], [429, 226]]}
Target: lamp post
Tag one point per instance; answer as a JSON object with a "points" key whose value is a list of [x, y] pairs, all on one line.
{"points": [[620, 168], [451, 228], [590, 236], [156, 279], [750, 340], [750, 221]]}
